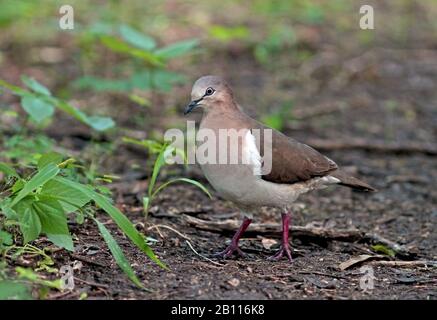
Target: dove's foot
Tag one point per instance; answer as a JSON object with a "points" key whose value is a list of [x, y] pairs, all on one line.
{"points": [[285, 247], [233, 247], [229, 251], [283, 251]]}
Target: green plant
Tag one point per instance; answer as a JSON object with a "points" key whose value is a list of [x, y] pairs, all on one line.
{"points": [[163, 151], [40, 105], [40, 204], [277, 119], [149, 63]]}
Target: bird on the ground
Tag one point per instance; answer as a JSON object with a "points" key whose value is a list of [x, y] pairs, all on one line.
{"points": [[295, 168]]}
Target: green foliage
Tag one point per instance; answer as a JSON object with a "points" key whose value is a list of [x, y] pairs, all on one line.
{"points": [[163, 151], [40, 105], [227, 34], [277, 119], [41, 203], [380, 248], [149, 63]]}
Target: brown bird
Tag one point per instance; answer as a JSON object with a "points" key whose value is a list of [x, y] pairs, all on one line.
{"points": [[272, 169]]}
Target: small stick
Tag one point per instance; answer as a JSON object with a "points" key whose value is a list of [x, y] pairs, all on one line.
{"points": [[416, 263], [93, 284], [157, 226], [89, 261], [202, 256]]}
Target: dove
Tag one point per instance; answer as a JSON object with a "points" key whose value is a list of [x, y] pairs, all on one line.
{"points": [[271, 169]]}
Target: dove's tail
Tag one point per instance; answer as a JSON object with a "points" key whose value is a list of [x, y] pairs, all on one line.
{"points": [[351, 182]]}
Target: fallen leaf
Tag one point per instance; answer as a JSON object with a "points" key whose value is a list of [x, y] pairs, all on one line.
{"points": [[268, 243], [234, 282], [357, 260]]}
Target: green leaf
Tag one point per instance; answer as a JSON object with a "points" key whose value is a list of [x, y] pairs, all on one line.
{"points": [[30, 225], [193, 182], [146, 204], [50, 157], [97, 123], [8, 170], [15, 89], [68, 196], [29, 274], [152, 145], [62, 240], [51, 214], [177, 49], [119, 46], [35, 86], [37, 108], [12, 290], [101, 84], [117, 253], [159, 162], [44, 175], [100, 123], [136, 38], [5, 238], [120, 219], [380, 248], [53, 221]]}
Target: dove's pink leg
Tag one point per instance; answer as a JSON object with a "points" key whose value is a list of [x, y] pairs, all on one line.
{"points": [[285, 247], [233, 247]]}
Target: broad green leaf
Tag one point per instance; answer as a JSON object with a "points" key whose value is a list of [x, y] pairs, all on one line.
{"points": [[53, 221], [118, 254], [37, 108], [51, 214], [177, 49], [119, 46], [193, 182], [119, 218], [30, 224], [100, 123], [5, 238], [43, 175], [62, 240], [35, 86], [136, 38], [50, 157], [68, 196], [12, 290], [8, 170]]}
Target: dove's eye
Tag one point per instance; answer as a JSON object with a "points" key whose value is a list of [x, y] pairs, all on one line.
{"points": [[209, 91]]}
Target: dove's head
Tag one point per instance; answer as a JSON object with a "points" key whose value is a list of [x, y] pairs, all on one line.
{"points": [[209, 91]]}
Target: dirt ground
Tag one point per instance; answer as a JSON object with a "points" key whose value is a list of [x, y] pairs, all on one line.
{"points": [[404, 210]]}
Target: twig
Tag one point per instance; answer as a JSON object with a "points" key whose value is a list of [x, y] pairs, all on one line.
{"points": [[345, 235], [202, 256], [157, 226], [89, 261], [416, 263], [230, 225], [93, 284], [374, 146]]}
